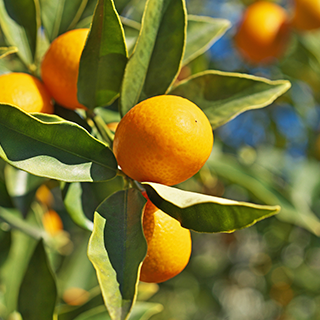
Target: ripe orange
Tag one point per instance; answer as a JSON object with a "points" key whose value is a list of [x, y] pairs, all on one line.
{"points": [[169, 245], [263, 32], [306, 14], [164, 139], [25, 91], [60, 67], [52, 222]]}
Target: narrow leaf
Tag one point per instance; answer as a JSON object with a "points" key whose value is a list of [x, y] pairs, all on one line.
{"points": [[21, 250], [22, 187], [5, 51], [19, 22], [103, 59], [117, 248], [224, 95], [202, 32], [156, 58], [205, 213], [97, 313], [145, 310], [59, 150], [38, 291], [59, 15]]}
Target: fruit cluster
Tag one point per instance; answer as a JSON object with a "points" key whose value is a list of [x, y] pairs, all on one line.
{"points": [[264, 31], [164, 139]]}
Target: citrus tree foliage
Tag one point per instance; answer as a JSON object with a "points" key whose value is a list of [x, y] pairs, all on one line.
{"points": [[123, 63]]}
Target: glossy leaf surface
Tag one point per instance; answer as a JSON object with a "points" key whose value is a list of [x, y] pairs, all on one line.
{"points": [[157, 55], [19, 22], [203, 213], [60, 15], [117, 248], [103, 59], [224, 95], [54, 148]]}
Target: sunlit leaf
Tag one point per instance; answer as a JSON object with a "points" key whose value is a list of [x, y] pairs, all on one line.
{"points": [[117, 248], [103, 59], [202, 32], [38, 291], [20, 22], [60, 15], [59, 150], [157, 55], [205, 213], [5, 51], [224, 95]]}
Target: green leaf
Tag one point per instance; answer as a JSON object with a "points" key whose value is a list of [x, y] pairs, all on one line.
{"points": [[58, 16], [202, 32], [203, 213], [5, 51], [141, 311], [117, 248], [103, 59], [224, 95], [5, 245], [38, 291], [82, 199], [59, 150], [131, 31], [22, 187], [20, 22], [20, 252], [157, 56], [261, 183]]}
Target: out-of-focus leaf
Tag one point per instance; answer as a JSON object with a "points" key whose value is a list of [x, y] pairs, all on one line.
{"points": [[117, 248], [98, 313], [66, 312], [140, 311], [145, 310], [5, 51], [203, 213], [20, 252], [22, 187], [59, 150], [202, 32], [14, 219], [5, 199], [5, 244], [224, 95], [20, 22], [156, 58], [261, 183], [82, 199], [38, 291], [103, 59], [60, 15]]}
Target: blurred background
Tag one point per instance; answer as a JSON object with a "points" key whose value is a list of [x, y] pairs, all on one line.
{"points": [[270, 271]]}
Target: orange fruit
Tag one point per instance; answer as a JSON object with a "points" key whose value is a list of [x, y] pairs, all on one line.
{"points": [[112, 126], [60, 67], [169, 245], [75, 296], [263, 32], [52, 222], [306, 14], [25, 91], [164, 139]]}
